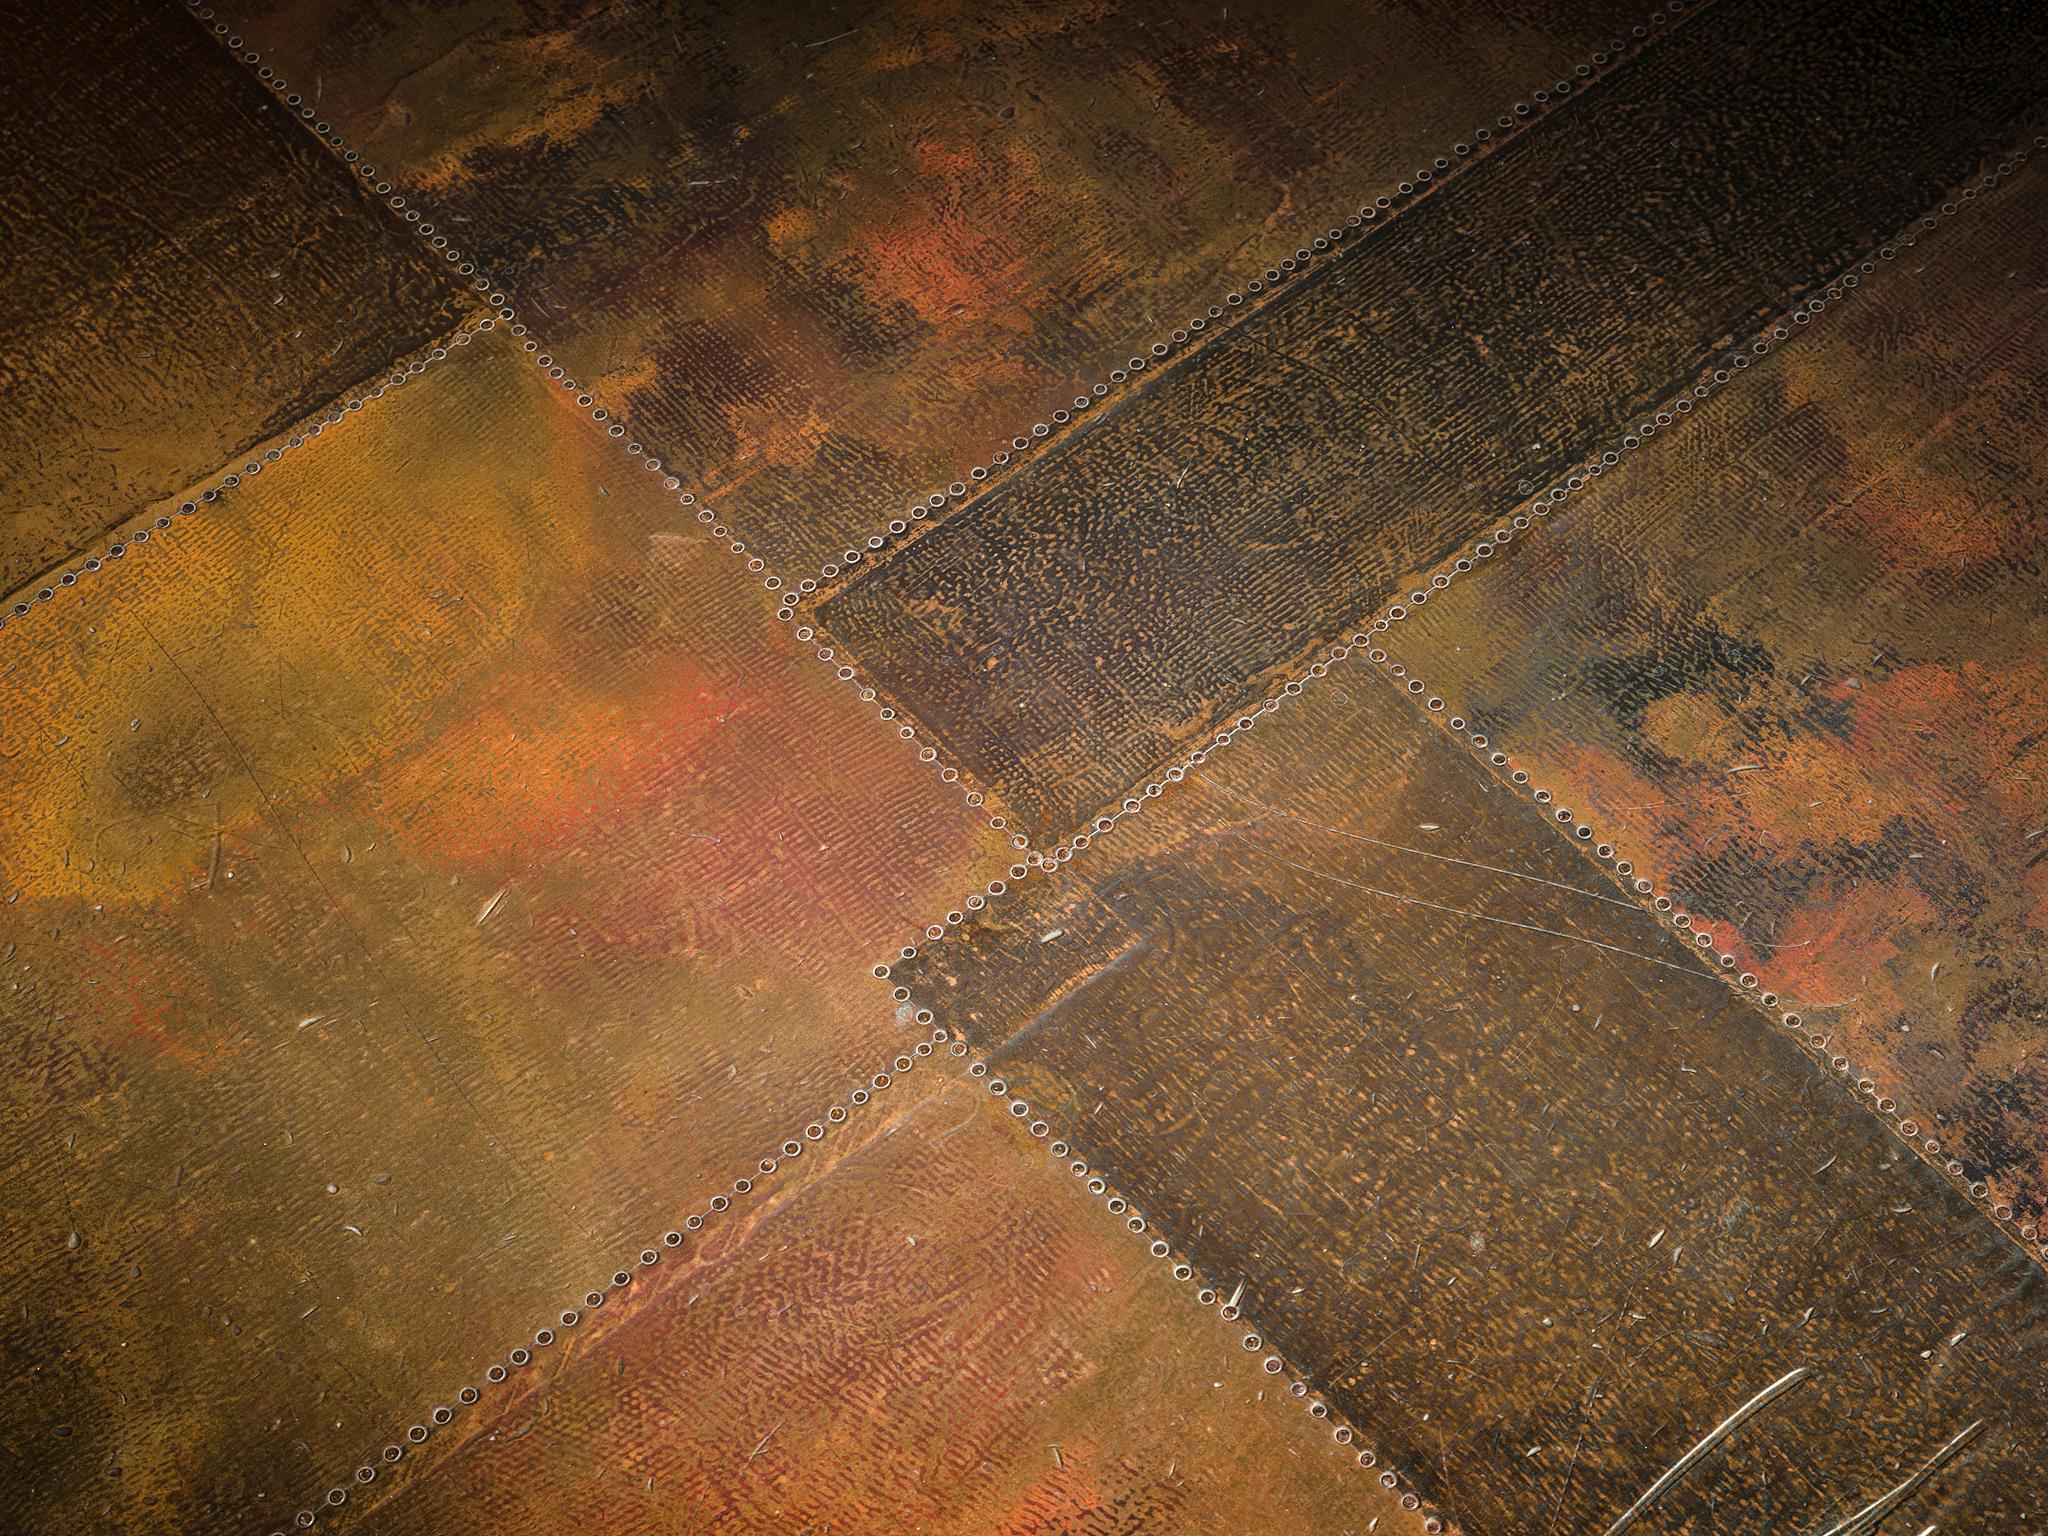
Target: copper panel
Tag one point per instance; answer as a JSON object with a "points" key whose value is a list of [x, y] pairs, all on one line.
{"points": [[1077, 627], [1534, 1196], [943, 1334], [446, 1083], [188, 274], [826, 256], [428, 873], [1792, 657]]}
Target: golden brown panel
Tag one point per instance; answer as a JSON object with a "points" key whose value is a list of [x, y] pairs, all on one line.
{"points": [[1792, 656], [826, 256], [188, 273], [1079, 625], [1535, 1197], [943, 1334], [426, 874]]}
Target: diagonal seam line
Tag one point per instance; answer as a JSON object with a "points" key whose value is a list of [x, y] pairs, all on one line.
{"points": [[570, 384], [1846, 282], [892, 538], [1818, 297], [41, 591], [497, 297], [1260, 291]]}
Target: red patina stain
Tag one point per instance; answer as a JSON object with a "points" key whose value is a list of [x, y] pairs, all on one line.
{"points": [[148, 1003], [952, 261], [1835, 948], [530, 770], [1921, 524], [646, 806], [1962, 739]]}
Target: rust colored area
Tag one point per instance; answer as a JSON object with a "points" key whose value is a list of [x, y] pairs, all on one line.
{"points": [[428, 873], [188, 274], [573, 529], [825, 257], [1089, 619], [1534, 1196], [1792, 657], [944, 1333]]}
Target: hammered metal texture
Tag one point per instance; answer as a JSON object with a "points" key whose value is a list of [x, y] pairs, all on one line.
{"points": [[1792, 657], [823, 257], [1080, 625], [942, 1334], [188, 273], [1536, 1198], [427, 874], [575, 533]]}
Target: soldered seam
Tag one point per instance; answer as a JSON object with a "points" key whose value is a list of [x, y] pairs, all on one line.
{"points": [[1728, 366], [1261, 288], [1273, 1364], [39, 594], [524, 1356], [481, 282]]}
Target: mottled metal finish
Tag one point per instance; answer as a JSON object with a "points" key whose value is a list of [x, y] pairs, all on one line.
{"points": [[941, 1334], [187, 273], [426, 873], [1792, 657], [1534, 1196], [1081, 624], [823, 257], [439, 880]]}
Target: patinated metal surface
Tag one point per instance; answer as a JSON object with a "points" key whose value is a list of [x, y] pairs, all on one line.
{"points": [[826, 256], [1067, 635], [187, 274], [1793, 659], [1519, 1182], [942, 1334], [427, 875], [447, 1082]]}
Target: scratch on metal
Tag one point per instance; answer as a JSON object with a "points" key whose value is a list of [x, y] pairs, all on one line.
{"points": [[1712, 1438], [1867, 1519]]}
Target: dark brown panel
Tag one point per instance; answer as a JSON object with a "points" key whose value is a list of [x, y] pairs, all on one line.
{"points": [[1792, 656], [824, 255], [1072, 630], [188, 272], [1535, 1198]]}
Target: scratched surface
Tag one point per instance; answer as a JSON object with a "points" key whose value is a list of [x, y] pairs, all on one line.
{"points": [[943, 1334], [188, 273], [427, 873], [1793, 659], [431, 871], [1527, 1191], [826, 256], [1072, 631]]}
